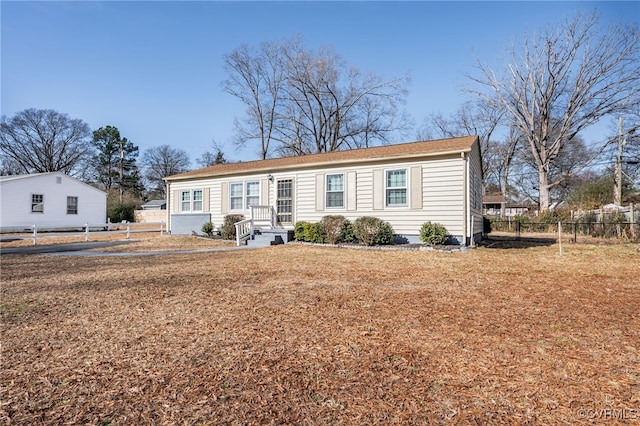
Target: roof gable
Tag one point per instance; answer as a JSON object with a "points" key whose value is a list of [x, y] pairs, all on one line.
{"points": [[14, 178], [399, 151]]}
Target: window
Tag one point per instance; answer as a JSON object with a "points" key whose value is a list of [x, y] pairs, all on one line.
{"points": [[235, 190], [185, 201], [37, 203], [197, 200], [72, 205], [243, 195], [335, 190], [396, 188], [191, 200], [253, 194]]}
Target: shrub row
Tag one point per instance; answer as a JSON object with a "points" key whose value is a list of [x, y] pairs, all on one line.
{"points": [[364, 230], [336, 229]]}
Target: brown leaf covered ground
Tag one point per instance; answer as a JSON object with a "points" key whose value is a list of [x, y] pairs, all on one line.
{"points": [[298, 334]]}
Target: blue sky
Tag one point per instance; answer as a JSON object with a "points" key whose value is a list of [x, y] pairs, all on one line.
{"points": [[153, 68]]}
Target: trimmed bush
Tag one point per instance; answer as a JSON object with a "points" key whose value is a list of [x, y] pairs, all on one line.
{"points": [[372, 231], [228, 229], [433, 233], [207, 229], [300, 230], [348, 233], [314, 233], [334, 228]]}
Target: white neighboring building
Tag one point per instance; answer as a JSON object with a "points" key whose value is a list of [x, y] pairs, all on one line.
{"points": [[49, 200]]}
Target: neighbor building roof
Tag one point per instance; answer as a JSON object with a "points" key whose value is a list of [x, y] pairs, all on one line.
{"points": [[405, 150]]}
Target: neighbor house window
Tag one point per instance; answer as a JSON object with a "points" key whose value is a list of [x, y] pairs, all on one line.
{"points": [[37, 203], [237, 200], [396, 187], [191, 201], [72, 205], [335, 190]]}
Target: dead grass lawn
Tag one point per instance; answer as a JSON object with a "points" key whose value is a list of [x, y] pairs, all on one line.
{"points": [[318, 335]]}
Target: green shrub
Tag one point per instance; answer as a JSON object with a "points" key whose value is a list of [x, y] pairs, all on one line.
{"points": [[372, 231], [300, 230], [333, 227], [555, 216], [433, 233], [207, 229], [348, 233], [314, 233], [522, 219], [121, 212], [228, 229]]}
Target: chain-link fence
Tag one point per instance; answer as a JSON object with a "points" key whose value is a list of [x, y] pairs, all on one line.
{"points": [[620, 231]]}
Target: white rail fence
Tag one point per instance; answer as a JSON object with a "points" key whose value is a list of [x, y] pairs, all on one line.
{"points": [[87, 229]]}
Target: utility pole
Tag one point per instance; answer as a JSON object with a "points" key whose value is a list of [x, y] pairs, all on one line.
{"points": [[120, 171], [617, 185]]}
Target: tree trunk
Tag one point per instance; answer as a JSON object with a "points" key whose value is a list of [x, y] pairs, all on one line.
{"points": [[543, 183]]}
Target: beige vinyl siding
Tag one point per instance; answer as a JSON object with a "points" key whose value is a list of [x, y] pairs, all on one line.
{"points": [[439, 181]]}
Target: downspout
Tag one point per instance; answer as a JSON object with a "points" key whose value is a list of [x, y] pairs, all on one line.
{"points": [[466, 211]]}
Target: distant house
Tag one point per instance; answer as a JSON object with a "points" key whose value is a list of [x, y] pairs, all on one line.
{"points": [[49, 200], [492, 204], [152, 211], [155, 205], [404, 184]]}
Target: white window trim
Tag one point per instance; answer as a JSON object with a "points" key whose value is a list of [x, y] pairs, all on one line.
{"points": [[245, 197], [327, 192], [406, 188], [191, 200]]}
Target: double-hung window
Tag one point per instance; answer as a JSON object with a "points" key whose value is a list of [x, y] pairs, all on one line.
{"points": [[191, 200], [243, 195], [72, 205], [253, 194], [185, 201], [237, 200], [37, 203], [335, 190], [396, 187]]}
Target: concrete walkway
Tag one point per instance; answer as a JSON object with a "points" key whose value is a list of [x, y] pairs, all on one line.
{"points": [[78, 249]]}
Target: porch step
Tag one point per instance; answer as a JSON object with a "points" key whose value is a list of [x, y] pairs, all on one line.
{"points": [[270, 237]]}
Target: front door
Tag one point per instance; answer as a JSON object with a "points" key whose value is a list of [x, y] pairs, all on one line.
{"points": [[284, 201]]}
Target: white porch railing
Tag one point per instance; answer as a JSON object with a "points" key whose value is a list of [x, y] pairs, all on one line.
{"points": [[261, 216]]}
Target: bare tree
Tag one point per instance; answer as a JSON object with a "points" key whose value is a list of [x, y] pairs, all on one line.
{"points": [[300, 101], [256, 78], [160, 162], [562, 81], [40, 141], [212, 158], [472, 118]]}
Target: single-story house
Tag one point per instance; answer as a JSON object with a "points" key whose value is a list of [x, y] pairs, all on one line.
{"points": [[405, 184], [492, 204], [155, 205], [49, 200]]}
